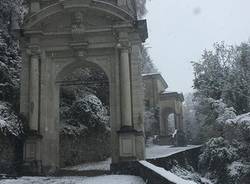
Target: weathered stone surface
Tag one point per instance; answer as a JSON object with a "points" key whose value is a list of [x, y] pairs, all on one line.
{"points": [[74, 34]]}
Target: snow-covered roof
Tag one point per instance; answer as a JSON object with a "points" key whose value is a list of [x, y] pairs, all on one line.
{"points": [[150, 74], [167, 94], [157, 76]]}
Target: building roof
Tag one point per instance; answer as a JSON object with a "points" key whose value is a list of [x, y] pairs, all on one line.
{"points": [[167, 94], [155, 76]]}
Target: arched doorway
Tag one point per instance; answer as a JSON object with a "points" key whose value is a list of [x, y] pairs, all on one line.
{"points": [[103, 34], [84, 123], [167, 121], [171, 123]]}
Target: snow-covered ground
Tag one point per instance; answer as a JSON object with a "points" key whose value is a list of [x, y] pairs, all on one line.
{"points": [[157, 151], [110, 179], [102, 165], [153, 151]]}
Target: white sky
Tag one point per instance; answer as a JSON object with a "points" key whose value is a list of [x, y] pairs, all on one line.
{"points": [[179, 31]]}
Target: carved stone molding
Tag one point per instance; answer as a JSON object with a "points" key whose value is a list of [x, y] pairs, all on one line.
{"points": [[34, 51], [80, 49], [78, 23]]}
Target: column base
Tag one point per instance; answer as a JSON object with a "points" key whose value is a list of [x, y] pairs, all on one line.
{"points": [[32, 164], [127, 142], [32, 168], [127, 168]]}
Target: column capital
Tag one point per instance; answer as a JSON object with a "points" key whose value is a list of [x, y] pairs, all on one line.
{"points": [[34, 51], [124, 47]]}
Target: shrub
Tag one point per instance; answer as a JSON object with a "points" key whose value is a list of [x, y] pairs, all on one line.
{"points": [[216, 156]]}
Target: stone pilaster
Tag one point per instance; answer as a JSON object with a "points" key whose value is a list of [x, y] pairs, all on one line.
{"points": [[163, 124], [127, 132], [34, 88], [125, 88]]}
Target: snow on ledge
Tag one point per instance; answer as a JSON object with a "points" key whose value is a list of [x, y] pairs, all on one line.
{"points": [[159, 151], [166, 174], [109, 179], [149, 74]]}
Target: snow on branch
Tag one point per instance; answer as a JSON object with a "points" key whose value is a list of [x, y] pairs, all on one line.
{"points": [[9, 122]]}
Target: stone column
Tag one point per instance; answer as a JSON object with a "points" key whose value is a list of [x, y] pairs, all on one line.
{"points": [[34, 89], [163, 123], [125, 88], [176, 121]]}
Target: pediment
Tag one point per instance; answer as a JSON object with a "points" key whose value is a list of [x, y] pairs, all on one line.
{"points": [[79, 18], [95, 14]]}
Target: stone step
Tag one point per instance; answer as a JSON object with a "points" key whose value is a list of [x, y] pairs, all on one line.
{"points": [[87, 173]]}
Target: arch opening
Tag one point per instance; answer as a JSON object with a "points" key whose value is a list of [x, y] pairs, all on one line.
{"points": [[84, 115], [171, 124]]}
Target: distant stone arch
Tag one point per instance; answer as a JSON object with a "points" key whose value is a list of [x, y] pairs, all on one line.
{"points": [[54, 43], [170, 102]]}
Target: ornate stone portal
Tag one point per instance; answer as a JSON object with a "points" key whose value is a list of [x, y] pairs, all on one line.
{"points": [[59, 36]]}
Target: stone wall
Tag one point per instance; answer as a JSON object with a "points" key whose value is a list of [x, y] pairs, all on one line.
{"points": [[93, 146], [188, 157], [7, 154], [184, 158]]}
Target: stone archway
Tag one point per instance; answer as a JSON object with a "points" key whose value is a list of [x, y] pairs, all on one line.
{"points": [[59, 36], [85, 131], [170, 103]]}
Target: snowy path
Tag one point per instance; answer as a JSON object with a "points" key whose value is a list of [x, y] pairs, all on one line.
{"points": [[157, 151], [102, 165], [153, 151], [111, 179]]}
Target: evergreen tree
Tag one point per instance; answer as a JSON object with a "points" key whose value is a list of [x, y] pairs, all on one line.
{"points": [[222, 76]]}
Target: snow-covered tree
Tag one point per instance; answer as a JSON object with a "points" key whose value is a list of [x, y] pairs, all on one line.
{"points": [[86, 113], [224, 74], [216, 156], [147, 65], [10, 124], [221, 77], [191, 125], [85, 107], [151, 121], [10, 62], [141, 8], [9, 51]]}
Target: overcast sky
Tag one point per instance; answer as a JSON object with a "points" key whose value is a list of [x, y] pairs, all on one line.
{"points": [[179, 31]]}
